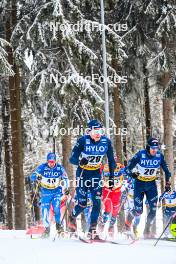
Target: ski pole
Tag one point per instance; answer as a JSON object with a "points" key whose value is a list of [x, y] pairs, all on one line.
{"points": [[67, 207], [34, 196], [174, 215]]}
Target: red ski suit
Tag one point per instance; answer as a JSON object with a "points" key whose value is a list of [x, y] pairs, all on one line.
{"points": [[111, 198]]}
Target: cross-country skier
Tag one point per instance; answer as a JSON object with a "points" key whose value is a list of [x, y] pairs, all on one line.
{"points": [[88, 154], [169, 199], [147, 162], [52, 178], [111, 198]]}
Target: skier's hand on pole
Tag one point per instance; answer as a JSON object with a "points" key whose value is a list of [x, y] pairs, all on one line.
{"points": [[135, 175], [83, 162], [66, 191], [38, 179], [168, 186]]}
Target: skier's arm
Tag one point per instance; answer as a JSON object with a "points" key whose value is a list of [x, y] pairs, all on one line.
{"points": [[162, 196], [132, 163], [36, 174], [78, 148], [165, 168], [111, 160]]}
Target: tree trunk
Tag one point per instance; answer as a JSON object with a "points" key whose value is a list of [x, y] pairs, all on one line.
{"points": [[54, 144], [147, 123], [168, 136], [147, 105], [17, 154], [66, 151], [117, 114], [6, 139], [168, 108], [16, 131], [125, 155]]}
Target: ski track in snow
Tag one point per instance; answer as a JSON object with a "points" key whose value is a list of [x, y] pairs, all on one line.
{"points": [[17, 248]]}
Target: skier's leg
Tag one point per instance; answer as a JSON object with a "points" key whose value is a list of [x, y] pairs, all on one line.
{"points": [[81, 193], [96, 192], [56, 202], [107, 204], [152, 198], [136, 220], [45, 210], [81, 196], [116, 195], [107, 208], [138, 204], [135, 225], [115, 201]]}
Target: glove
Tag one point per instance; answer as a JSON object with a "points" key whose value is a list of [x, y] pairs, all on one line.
{"points": [[83, 162], [66, 191], [134, 175], [111, 184], [38, 180], [168, 187], [39, 177]]}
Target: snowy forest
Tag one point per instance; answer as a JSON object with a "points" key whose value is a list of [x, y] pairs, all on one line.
{"points": [[51, 83]]}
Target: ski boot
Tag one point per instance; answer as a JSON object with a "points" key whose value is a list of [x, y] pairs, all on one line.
{"points": [[101, 225], [59, 228], [46, 232], [127, 229], [92, 234], [147, 232], [135, 231], [128, 223], [102, 221], [111, 226]]}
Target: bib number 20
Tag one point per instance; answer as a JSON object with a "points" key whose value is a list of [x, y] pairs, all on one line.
{"points": [[94, 159], [149, 171]]}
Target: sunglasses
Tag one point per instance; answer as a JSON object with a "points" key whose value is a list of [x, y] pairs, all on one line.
{"points": [[98, 131], [154, 148]]}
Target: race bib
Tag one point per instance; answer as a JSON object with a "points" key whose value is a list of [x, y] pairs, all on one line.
{"points": [[50, 183]]}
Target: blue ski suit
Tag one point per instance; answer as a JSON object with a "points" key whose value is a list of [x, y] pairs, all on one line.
{"points": [[147, 167], [89, 175], [51, 183]]}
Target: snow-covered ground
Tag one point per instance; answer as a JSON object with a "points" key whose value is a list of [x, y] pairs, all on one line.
{"points": [[17, 248]]}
